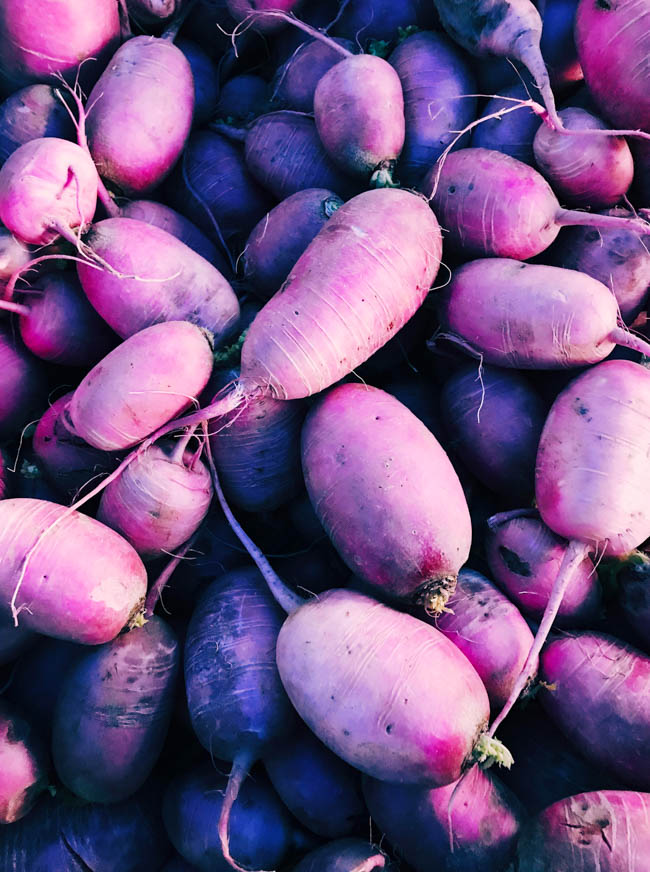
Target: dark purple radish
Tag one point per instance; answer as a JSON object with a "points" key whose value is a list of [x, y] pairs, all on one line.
{"points": [[13, 641], [68, 462], [634, 597], [206, 81], [436, 81], [282, 236], [14, 255], [641, 186], [530, 316], [173, 285], [494, 419], [587, 170], [296, 80], [113, 711], [314, 570], [471, 825], [613, 43], [243, 98], [58, 324], [41, 40], [317, 787], [546, 767], [23, 764], [343, 855], [493, 205], [153, 78], [242, 9], [376, 506], [5, 474], [264, 833], [600, 422], [39, 675], [71, 836], [512, 132], [605, 830], [608, 682], [48, 188], [364, 137], [342, 647], [366, 20], [177, 864], [525, 556], [490, 632], [159, 501], [236, 700], [22, 385], [558, 43], [173, 222], [257, 452], [32, 113], [213, 188], [285, 155], [421, 397], [617, 258]]}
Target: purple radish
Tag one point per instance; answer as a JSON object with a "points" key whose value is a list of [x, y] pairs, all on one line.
{"points": [[159, 501], [490, 632], [322, 791], [435, 79], [634, 597], [242, 9], [587, 170], [617, 258], [528, 316], [279, 239], [206, 81], [343, 855], [39, 676], [558, 43], [23, 763], [376, 506], [471, 825], [494, 419], [236, 701], [367, 20], [608, 682], [511, 132], [296, 80], [493, 205], [112, 713], [68, 462], [525, 556], [32, 113], [605, 830], [151, 13], [22, 385], [285, 155], [243, 98], [13, 641]]}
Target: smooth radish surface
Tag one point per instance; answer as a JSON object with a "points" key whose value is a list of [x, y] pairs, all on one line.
{"points": [[39, 675], [32, 113], [14, 641], [243, 98], [468, 826], [489, 630], [158, 501], [206, 81], [145, 382], [618, 258], [605, 830], [376, 506], [322, 791], [22, 384], [359, 113], [82, 581], [634, 597], [61, 326], [44, 37], [282, 236], [108, 732], [241, 9], [285, 155], [146, 93], [377, 256], [367, 20], [68, 462], [435, 78], [512, 133], [47, 186], [584, 170], [493, 205], [23, 764], [530, 316], [296, 80], [613, 41], [173, 284], [525, 557], [592, 477], [343, 855], [380, 666], [494, 420], [609, 683]]}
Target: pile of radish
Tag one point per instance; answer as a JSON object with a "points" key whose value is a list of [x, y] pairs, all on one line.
{"points": [[325, 435]]}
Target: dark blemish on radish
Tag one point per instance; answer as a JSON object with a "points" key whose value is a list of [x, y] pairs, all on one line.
{"points": [[389, 728], [470, 187], [346, 732], [452, 189], [514, 562], [580, 408], [604, 4]]}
